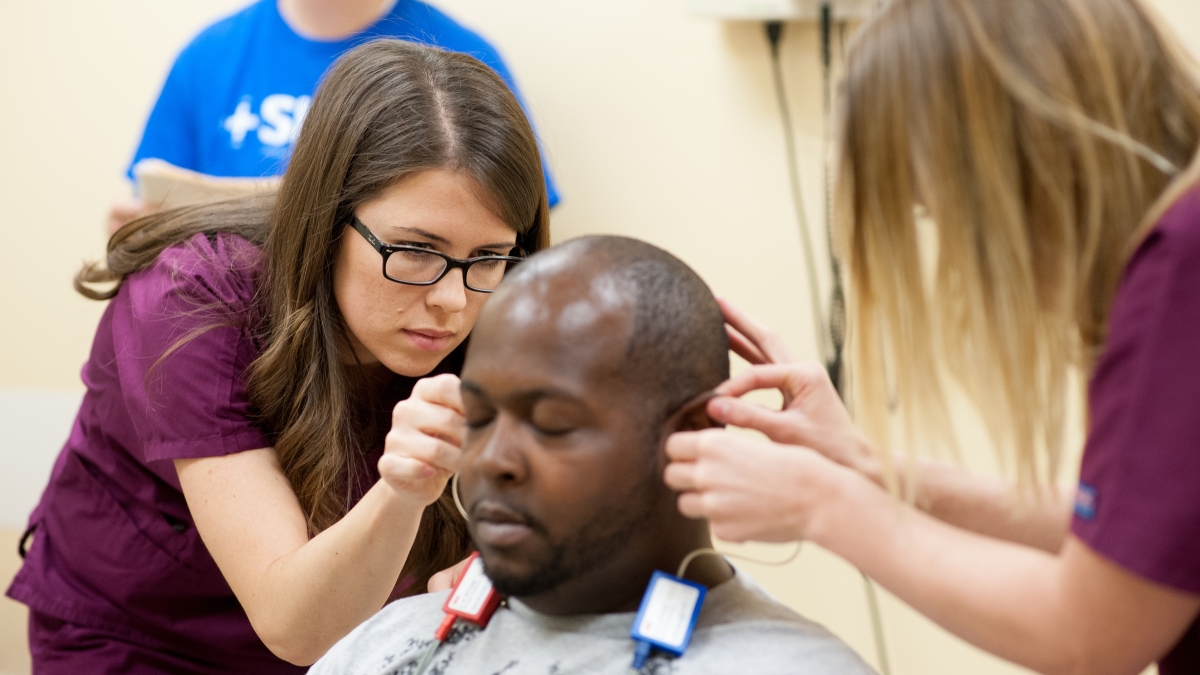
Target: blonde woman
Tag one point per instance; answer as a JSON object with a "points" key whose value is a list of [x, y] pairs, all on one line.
{"points": [[1053, 144]]}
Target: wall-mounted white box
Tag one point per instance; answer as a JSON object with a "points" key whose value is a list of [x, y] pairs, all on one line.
{"points": [[785, 10]]}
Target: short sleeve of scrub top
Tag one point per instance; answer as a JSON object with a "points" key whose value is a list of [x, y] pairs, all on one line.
{"points": [[182, 368], [1138, 503]]}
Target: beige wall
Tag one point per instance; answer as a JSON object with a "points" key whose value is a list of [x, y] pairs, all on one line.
{"points": [[659, 125]]}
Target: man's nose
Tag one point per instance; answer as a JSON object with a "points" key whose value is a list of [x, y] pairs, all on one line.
{"points": [[501, 459]]}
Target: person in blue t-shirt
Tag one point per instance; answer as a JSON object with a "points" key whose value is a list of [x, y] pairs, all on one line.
{"points": [[236, 96]]}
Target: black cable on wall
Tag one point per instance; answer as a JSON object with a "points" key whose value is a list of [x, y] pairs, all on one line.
{"points": [[831, 332]]}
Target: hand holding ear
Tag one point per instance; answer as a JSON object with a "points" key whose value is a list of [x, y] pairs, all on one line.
{"points": [[424, 447], [750, 489], [813, 415]]}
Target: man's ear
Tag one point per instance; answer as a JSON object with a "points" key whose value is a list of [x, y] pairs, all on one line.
{"points": [[693, 416]]}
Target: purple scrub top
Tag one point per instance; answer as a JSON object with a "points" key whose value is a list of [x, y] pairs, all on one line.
{"points": [[1138, 503], [115, 561]]}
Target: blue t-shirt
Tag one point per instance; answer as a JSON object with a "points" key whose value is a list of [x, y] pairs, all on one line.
{"points": [[234, 100]]}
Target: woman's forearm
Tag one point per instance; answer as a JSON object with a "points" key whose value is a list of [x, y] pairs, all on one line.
{"points": [[989, 506], [946, 573], [303, 594], [300, 594], [1073, 612], [307, 600], [1069, 613]]}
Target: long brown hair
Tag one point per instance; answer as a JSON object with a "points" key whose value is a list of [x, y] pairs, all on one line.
{"points": [[1040, 137], [385, 111]]}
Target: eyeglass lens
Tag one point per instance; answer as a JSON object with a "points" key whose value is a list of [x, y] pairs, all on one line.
{"points": [[419, 267]]}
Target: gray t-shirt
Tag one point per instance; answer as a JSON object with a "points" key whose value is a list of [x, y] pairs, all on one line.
{"points": [[741, 630]]}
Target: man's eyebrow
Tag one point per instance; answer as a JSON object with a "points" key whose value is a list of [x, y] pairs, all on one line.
{"points": [[527, 394], [545, 392], [470, 386], [442, 240]]}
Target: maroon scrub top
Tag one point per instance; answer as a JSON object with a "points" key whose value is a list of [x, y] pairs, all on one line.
{"points": [[1139, 497], [117, 577]]}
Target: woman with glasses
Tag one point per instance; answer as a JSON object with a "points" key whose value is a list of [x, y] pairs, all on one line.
{"points": [[1019, 211], [272, 412]]}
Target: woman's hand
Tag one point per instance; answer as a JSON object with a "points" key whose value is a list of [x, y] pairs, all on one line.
{"points": [[751, 339], [445, 580], [751, 489], [813, 415], [767, 490], [423, 449]]}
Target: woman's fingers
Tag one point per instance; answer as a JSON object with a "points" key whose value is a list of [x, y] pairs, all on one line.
{"points": [[767, 341], [417, 466], [813, 415], [423, 448], [792, 379], [402, 472], [691, 505], [687, 446], [680, 476], [747, 488], [753, 379], [412, 480], [432, 419], [790, 428], [744, 348], [743, 322], [434, 408], [444, 390]]}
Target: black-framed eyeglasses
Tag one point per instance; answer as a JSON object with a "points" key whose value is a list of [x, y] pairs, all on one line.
{"points": [[419, 266]]}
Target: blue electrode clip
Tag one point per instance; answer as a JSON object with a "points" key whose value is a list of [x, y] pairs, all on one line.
{"points": [[666, 617]]}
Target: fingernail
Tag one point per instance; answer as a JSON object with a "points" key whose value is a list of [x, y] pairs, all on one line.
{"points": [[719, 406]]}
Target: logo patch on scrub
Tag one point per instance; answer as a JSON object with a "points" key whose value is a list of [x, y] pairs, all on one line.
{"points": [[1085, 502]]}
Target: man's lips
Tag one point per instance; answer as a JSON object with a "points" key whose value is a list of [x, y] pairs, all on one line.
{"points": [[498, 526], [428, 339]]}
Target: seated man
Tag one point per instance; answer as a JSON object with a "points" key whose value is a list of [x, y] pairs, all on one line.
{"points": [[580, 366]]}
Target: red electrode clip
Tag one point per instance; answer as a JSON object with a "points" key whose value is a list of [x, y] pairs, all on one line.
{"points": [[473, 598]]}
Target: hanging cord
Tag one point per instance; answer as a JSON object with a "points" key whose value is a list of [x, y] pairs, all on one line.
{"points": [[689, 558], [457, 501], [876, 625], [830, 334], [837, 300], [774, 33]]}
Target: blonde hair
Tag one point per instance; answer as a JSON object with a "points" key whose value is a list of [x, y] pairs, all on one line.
{"points": [[1043, 137]]}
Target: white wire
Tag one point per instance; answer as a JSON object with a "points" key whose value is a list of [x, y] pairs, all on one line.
{"points": [[457, 501], [687, 559]]}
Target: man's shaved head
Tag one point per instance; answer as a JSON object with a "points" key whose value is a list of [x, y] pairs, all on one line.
{"points": [[583, 362], [676, 347]]}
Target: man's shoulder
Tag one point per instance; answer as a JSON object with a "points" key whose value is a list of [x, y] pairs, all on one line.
{"points": [[743, 628], [418, 613], [399, 626]]}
